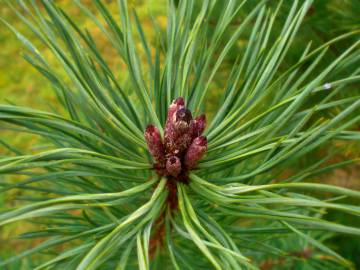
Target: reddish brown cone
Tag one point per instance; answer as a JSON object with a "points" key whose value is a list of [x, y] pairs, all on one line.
{"points": [[154, 143], [195, 152], [197, 126], [183, 145], [173, 166]]}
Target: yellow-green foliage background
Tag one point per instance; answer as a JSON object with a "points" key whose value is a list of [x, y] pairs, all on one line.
{"points": [[22, 85]]}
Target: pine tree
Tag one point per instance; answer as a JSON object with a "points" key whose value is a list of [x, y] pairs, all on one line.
{"points": [[155, 168]]}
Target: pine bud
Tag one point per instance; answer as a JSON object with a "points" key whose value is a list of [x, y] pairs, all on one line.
{"points": [[173, 166], [195, 152], [182, 120], [177, 136], [154, 142], [174, 107], [183, 145], [170, 134], [197, 126], [183, 114]]}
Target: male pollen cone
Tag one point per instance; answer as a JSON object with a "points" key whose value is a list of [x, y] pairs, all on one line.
{"points": [[154, 143], [196, 151], [173, 166], [197, 126]]}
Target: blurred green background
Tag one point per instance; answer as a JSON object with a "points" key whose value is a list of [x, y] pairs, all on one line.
{"points": [[20, 84]]}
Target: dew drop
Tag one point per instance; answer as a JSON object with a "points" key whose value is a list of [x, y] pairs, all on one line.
{"points": [[327, 86]]}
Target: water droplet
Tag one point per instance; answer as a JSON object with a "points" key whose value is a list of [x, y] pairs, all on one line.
{"points": [[327, 86]]}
